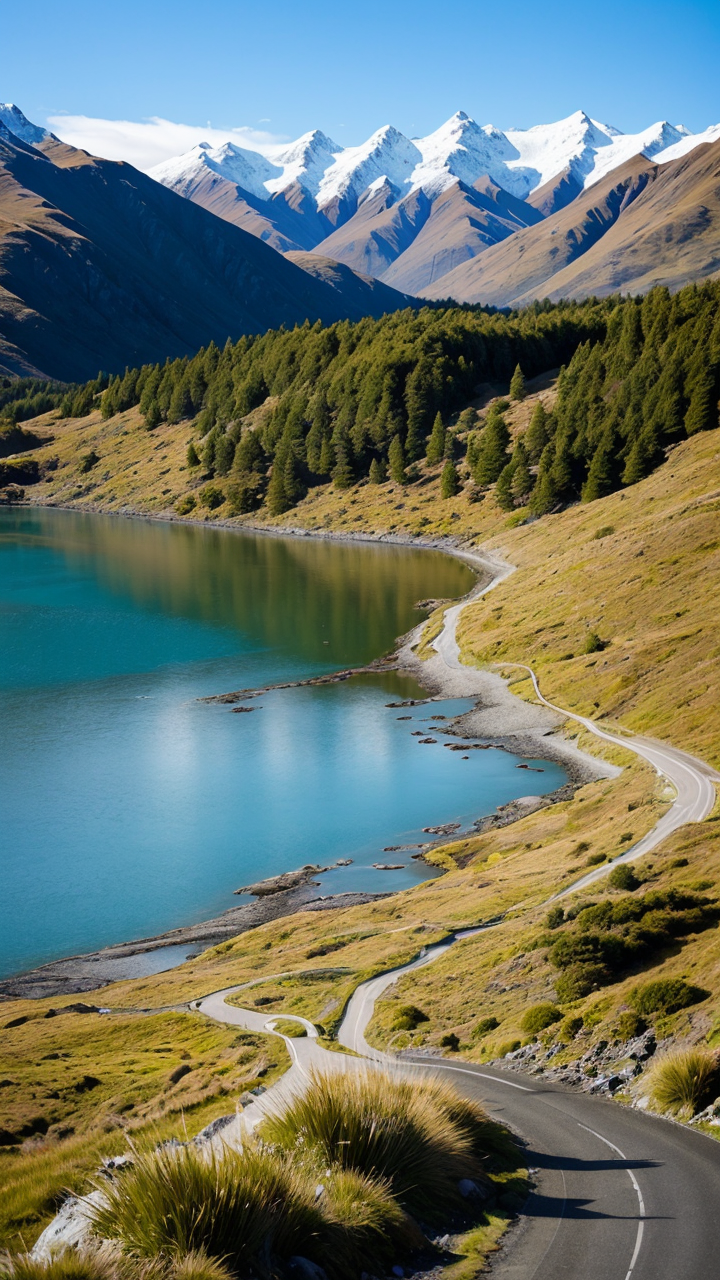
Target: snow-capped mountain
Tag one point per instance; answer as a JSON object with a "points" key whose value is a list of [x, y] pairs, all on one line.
{"points": [[519, 160], [19, 125]]}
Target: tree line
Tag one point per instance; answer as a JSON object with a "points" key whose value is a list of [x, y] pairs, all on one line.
{"points": [[279, 413]]}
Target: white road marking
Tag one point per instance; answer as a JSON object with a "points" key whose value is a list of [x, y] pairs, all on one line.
{"points": [[636, 1184]]}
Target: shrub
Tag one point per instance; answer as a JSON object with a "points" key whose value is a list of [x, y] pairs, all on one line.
{"points": [[248, 1208], [485, 1025], [89, 460], [185, 504], [570, 1027], [539, 1017], [623, 877], [684, 1081], [665, 995], [509, 1046], [379, 1125], [595, 859], [630, 1024], [593, 643], [211, 496], [192, 456], [579, 980], [450, 1041], [555, 917], [408, 1017], [604, 532]]}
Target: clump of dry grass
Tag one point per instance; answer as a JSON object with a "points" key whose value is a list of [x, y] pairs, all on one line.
{"points": [[377, 1124], [684, 1080]]}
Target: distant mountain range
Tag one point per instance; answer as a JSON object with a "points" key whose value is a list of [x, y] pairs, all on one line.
{"points": [[102, 266], [415, 213]]}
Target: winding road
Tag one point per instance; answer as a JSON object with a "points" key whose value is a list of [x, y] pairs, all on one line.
{"points": [[619, 1194]]}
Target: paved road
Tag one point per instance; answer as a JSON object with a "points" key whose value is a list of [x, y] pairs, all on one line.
{"points": [[692, 780]]}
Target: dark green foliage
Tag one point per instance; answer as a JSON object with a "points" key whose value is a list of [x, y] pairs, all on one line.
{"points": [[377, 472], [491, 448], [517, 384], [623, 877], [22, 398], [396, 459], [211, 496], [450, 1041], [449, 481], [436, 443], [186, 504], [630, 1024], [666, 995], [539, 1017], [503, 488], [89, 460], [636, 377], [593, 643], [555, 917], [485, 1025], [408, 1017], [192, 457], [609, 937]]}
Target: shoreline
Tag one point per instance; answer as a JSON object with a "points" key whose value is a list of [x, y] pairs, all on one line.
{"points": [[499, 718]]}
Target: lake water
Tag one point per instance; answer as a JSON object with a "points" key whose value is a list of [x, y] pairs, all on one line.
{"points": [[126, 805]]}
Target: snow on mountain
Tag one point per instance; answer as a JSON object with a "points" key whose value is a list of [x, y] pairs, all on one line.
{"points": [[305, 161], [687, 143], [387, 154], [519, 160], [14, 120], [249, 169]]}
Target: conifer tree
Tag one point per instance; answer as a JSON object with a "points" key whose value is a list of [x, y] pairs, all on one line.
{"points": [[192, 456], [642, 457], [503, 488], [397, 460], [702, 414], [343, 474], [292, 479], [449, 480], [436, 443], [327, 457], [537, 434], [522, 481], [491, 449], [152, 415], [602, 476], [517, 384], [276, 497], [377, 472]]}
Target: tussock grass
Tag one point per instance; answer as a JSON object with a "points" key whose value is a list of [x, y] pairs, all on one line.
{"points": [[101, 1263], [383, 1126], [244, 1207], [684, 1081]]}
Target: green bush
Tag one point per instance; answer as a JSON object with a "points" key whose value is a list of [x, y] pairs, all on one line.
{"points": [[555, 917], [192, 456], [509, 1046], [684, 1081], [623, 877], [579, 980], [408, 1017], [186, 504], [212, 497], [539, 1017], [630, 1025], [593, 643], [89, 460], [570, 1027], [665, 995], [485, 1025], [604, 532], [381, 1126], [450, 1041], [595, 859]]}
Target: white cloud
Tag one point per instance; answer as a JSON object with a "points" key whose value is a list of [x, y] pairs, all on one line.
{"points": [[145, 143]]}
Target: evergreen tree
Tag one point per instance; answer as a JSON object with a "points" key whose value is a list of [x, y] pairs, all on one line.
{"points": [[472, 451], [642, 457], [602, 477], [397, 460], [491, 449], [522, 481], [377, 472], [152, 415], [276, 497], [327, 457], [517, 384], [343, 474], [503, 488], [224, 454], [450, 446], [292, 479], [192, 456], [449, 480], [537, 434], [702, 414], [436, 443]]}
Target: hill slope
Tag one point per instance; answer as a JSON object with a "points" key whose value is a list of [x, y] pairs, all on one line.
{"points": [[101, 267], [645, 224]]}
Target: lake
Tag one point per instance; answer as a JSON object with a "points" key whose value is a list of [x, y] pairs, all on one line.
{"points": [[128, 806]]}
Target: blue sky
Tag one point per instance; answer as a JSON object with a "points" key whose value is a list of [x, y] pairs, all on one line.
{"points": [[286, 67]]}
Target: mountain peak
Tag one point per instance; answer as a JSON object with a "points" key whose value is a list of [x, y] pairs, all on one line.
{"points": [[17, 122]]}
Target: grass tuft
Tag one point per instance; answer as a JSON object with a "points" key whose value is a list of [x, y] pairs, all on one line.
{"points": [[684, 1081]]}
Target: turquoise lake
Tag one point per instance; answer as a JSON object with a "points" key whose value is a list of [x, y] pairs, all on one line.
{"points": [[128, 806]]}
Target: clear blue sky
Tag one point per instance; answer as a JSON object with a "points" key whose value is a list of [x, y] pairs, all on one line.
{"points": [[348, 68]]}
